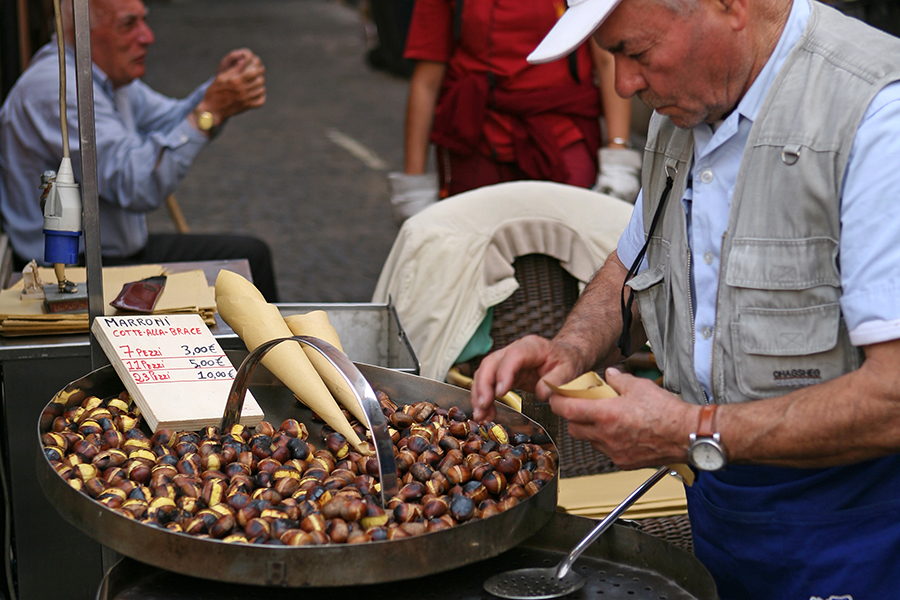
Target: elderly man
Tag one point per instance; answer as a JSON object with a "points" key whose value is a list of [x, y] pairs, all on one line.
{"points": [[764, 244], [145, 143]]}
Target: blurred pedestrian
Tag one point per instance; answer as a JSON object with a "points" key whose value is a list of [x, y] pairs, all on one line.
{"points": [[495, 118]]}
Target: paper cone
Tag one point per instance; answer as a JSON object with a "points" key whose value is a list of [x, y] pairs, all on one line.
{"points": [[256, 321], [316, 324], [590, 385]]}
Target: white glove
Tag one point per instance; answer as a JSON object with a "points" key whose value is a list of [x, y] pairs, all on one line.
{"points": [[620, 173], [411, 194]]}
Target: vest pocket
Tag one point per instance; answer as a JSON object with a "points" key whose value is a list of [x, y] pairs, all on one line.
{"points": [[777, 350], [652, 299], [799, 264]]}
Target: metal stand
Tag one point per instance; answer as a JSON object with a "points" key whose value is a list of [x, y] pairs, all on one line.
{"points": [[84, 84]]}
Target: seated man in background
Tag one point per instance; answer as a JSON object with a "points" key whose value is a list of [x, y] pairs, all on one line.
{"points": [[145, 143]]}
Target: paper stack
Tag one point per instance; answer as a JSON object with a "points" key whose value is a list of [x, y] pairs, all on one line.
{"points": [[185, 293], [595, 496]]}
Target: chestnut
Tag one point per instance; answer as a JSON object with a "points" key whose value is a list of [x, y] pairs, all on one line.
{"points": [[213, 492], [137, 471], [494, 482], [353, 510], [509, 465], [462, 508], [404, 460], [313, 522], [401, 420], [412, 491], [299, 448], [405, 512], [337, 530], [265, 428], [458, 474], [137, 508], [286, 486], [438, 484], [297, 537], [257, 529], [435, 507], [421, 471], [476, 491], [375, 516]]}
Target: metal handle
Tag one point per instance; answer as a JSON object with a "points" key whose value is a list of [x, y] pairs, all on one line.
{"points": [[605, 524], [365, 395]]}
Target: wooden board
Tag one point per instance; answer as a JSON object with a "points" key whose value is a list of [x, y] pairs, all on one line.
{"points": [[174, 369]]}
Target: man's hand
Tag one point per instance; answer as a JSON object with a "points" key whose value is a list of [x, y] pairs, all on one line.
{"points": [[645, 426], [240, 85], [524, 364]]}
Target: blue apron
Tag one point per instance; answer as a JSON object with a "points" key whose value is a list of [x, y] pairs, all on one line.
{"points": [[770, 533]]}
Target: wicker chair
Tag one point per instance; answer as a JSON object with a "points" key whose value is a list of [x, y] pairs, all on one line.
{"points": [[546, 294]]}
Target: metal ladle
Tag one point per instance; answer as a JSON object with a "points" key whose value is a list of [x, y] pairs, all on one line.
{"points": [[535, 583]]}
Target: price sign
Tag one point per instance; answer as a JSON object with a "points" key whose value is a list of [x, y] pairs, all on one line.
{"points": [[173, 368]]}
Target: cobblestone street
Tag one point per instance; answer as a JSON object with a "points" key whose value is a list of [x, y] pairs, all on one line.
{"points": [[307, 172]]}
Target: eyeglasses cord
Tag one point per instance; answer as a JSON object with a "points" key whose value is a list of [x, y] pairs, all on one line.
{"points": [[624, 342]]}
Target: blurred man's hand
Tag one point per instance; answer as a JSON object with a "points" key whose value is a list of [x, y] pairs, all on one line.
{"points": [[240, 85]]}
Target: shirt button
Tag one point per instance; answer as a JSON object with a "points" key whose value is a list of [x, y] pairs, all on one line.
{"points": [[706, 333], [708, 257], [706, 176]]}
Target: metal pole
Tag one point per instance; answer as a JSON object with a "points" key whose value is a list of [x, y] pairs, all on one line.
{"points": [[84, 82]]}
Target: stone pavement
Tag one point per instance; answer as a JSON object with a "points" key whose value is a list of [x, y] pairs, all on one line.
{"points": [[307, 172]]}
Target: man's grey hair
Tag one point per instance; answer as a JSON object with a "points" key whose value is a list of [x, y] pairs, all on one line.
{"points": [[679, 6]]}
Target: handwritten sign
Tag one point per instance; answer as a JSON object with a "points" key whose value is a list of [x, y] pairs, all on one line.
{"points": [[174, 369]]}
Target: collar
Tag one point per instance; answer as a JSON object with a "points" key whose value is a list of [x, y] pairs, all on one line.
{"points": [[101, 79], [752, 101]]}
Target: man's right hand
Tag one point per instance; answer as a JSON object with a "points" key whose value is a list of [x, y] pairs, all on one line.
{"points": [[240, 85], [525, 364]]}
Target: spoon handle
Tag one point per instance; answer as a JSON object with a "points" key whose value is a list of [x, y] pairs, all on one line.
{"points": [[605, 524]]}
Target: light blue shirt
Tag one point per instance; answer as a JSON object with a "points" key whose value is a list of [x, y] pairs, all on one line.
{"points": [[870, 210], [144, 144]]}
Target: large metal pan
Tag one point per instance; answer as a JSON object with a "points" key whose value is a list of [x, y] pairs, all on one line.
{"points": [[623, 563], [333, 565]]}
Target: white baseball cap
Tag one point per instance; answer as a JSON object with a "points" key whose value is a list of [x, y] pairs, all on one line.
{"points": [[576, 25]]}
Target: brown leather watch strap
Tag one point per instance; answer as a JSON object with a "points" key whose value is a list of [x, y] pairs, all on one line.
{"points": [[707, 426]]}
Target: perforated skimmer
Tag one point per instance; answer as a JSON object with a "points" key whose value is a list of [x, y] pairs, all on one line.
{"points": [[552, 582]]}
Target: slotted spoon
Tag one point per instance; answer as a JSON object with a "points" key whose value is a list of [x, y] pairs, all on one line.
{"points": [[535, 583]]}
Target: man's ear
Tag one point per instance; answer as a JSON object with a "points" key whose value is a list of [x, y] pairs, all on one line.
{"points": [[735, 11]]}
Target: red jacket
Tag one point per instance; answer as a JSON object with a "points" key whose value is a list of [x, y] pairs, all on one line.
{"points": [[492, 101]]}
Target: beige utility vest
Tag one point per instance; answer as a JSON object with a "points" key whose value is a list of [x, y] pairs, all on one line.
{"points": [[778, 320]]}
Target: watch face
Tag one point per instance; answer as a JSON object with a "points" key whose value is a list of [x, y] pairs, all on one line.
{"points": [[707, 456], [205, 121]]}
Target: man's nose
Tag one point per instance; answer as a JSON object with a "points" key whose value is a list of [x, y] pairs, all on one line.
{"points": [[629, 80], [145, 35]]}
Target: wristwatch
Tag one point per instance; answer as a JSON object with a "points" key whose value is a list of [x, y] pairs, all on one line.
{"points": [[706, 451], [206, 121]]}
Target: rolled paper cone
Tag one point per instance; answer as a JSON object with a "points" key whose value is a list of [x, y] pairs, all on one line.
{"points": [[256, 321], [590, 385], [316, 324]]}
